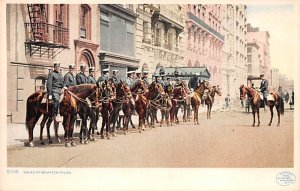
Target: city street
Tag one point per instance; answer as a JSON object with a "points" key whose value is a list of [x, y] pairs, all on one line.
{"points": [[226, 140]]}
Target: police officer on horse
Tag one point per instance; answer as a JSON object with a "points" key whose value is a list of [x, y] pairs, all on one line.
{"points": [[104, 75], [264, 87], [129, 80], [69, 78], [90, 77], [114, 79], [54, 89], [193, 82], [145, 77], [81, 77]]}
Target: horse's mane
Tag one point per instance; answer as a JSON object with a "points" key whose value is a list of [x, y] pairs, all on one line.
{"points": [[78, 88]]}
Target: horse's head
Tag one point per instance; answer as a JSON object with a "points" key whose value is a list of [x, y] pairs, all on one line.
{"points": [[218, 90], [242, 92], [201, 87], [107, 89], [155, 89], [138, 85], [180, 92], [122, 90]]}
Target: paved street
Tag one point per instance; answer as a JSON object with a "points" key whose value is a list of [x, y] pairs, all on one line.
{"points": [[226, 140]]}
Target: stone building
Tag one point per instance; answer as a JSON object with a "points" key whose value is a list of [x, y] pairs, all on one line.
{"points": [[234, 51], [118, 38], [204, 39], [262, 40], [38, 35], [160, 37]]}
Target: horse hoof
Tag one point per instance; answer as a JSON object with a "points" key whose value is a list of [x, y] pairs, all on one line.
{"points": [[140, 131], [253, 125], [102, 136], [143, 129], [50, 142], [269, 124], [73, 144], [257, 126], [98, 133], [92, 139], [133, 127], [278, 124], [42, 143], [31, 144], [114, 134], [67, 144], [108, 137], [58, 140], [81, 141], [86, 141]]}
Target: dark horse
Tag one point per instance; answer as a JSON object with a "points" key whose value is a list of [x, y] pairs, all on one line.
{"points": [[156, 96], [123, 96], [107, 107], [209, 98], [255, 102], [139, 90]]}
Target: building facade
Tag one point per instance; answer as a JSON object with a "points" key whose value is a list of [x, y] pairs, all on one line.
{"points": [[261, 38], [38, 35], [234, 55], [204, 39], [118, 38], [160, 37]]}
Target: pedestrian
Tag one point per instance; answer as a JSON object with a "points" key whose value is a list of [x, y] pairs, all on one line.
{"points": [[55, 89]]}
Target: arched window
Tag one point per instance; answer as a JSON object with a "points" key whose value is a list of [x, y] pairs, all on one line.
{"points": [[85, 21]]}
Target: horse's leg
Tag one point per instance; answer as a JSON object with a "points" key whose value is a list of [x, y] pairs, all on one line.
{"points": [[126, 123], [107, 125], [32, 123], [66, 123], [102, 126], [197, 109], [271, 109], [194, 108], [71, 126], [210, 106], [45, 117], [48, 124], [258, 117], [278, 114], [253, 114]]}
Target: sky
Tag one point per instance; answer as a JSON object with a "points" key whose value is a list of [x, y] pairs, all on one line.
{"points": [[280, 20]]}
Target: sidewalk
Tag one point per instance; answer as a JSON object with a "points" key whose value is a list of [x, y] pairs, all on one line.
{"points": [[17, 134]]}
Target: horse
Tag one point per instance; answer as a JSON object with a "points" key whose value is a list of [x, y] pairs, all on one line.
{"points": [[196, 99], [69, 106], [183, 96], [209, 98], [255, 102], [34, 109], [139, 90], [107, 107], [155, 96]]}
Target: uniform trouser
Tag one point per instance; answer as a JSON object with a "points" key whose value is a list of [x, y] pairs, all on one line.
{"points": [[55, 98]]}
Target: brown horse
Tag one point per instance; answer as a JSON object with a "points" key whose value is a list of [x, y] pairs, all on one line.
{"points": [[209, 98], [34, 109], [156, 96], [139, 91], [196, 99], [69, 106], [123, 96], [107, 107]]}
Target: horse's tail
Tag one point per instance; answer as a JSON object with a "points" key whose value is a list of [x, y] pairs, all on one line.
{"points": [[281, 106]]}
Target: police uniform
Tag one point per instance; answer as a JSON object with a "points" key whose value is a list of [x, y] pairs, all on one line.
{"points": [[90, 77], [54, 87], [129, 80], [69, 78], [146, 81], [264, 88], [114, 80], [193, 82], [103, 78], [81, 78]]}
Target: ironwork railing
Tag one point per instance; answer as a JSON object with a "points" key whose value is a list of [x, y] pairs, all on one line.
{"points": [[48, 33]]}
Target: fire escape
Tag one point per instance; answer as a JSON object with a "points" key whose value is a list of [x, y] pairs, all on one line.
{"points": [[45, 40]]}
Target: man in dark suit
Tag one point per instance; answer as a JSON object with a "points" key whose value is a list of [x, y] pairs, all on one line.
{"points": [[264, 87]]}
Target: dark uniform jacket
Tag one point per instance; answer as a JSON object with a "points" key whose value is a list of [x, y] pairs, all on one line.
{"points": [[91, 79], [193, 82], [69, 80], [264, 87], [114, 79], [102, 78], [81, 78], [146, 81], [54, 83]]}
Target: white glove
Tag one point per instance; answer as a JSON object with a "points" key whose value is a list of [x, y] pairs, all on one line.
{"points": [[65, 88], [50, 97]]}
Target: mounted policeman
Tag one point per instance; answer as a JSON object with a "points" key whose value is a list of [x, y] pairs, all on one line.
{"points": [[104, 75], [115, 77], [145, 77], [55, 89], [81, 77], [69, 78], [264, 87], [90, 77]]}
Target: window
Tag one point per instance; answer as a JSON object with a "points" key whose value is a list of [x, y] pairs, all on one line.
{"points": [[249, 58], [157, 37], [85, 22], [104, 32], [40, 84], [249, 50], [61, 24]]}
